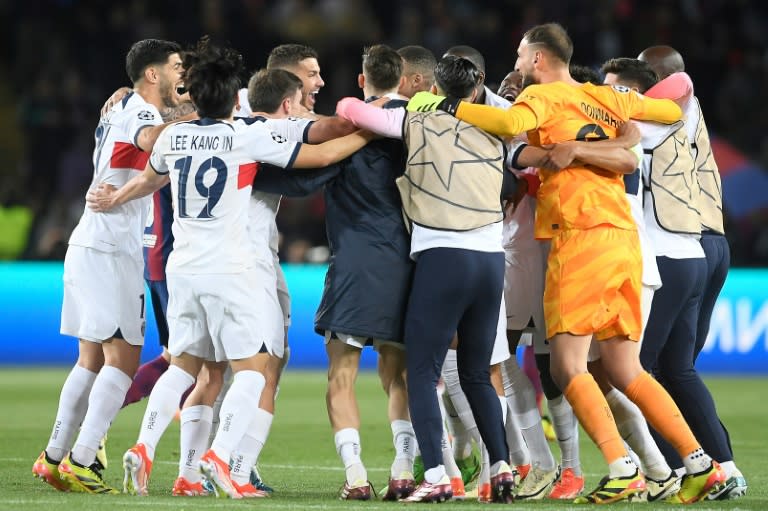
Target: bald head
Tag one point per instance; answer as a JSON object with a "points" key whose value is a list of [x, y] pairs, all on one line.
{"points": [[664, 60]]}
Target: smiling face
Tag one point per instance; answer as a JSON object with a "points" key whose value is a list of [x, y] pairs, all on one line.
{"points": [[309, 72], [170, 80], [511, 85]]}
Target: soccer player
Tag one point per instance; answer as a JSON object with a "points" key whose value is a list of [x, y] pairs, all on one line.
{"points": [[594, 257], [103, 290], [367, 286], [418, 70], [455, 225], [670, 349], [302, 61], [223, 303]]}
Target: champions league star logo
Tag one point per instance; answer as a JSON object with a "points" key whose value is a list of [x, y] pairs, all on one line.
{"points": [[146, 115], [279, 138]]}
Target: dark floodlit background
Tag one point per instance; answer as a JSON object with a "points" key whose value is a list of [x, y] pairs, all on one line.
{"points": [[62, 59]]}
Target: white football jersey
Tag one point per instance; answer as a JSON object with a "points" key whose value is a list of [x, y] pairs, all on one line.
{"points": [[116, 159], [212, 165], [264, 206]]}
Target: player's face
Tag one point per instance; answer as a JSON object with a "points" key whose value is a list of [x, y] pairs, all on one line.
{"points": [[527, 58], [511, 85], [170, 81], [309, 72]]}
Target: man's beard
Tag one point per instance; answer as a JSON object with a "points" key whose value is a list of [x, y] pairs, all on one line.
{"points": [[528, 80], [167, 94]]}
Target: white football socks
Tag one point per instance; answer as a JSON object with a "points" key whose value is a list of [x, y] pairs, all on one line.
{"points": [[246, 454], [404, 440], [73, 404], [106, 398], [195, 427], [633, 428], [567, 430], [162, 405], [237, 412], [347, 442]]}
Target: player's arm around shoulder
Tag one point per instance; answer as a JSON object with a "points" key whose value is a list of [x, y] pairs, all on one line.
{"points": [[644, 108]]}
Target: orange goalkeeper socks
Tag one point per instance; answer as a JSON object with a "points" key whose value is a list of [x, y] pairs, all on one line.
{"points": [[662, 413], [595, 416]]}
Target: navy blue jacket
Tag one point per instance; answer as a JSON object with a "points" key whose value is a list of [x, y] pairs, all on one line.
{"points": [[369, 273]]}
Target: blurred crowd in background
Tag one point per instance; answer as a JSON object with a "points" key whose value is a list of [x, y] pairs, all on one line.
{"points": [[60, 60]]}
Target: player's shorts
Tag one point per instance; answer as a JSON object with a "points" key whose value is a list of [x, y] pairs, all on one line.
{"points": [[359, 342], [646, 299], [524, 287], [500, 351], [103, 296], [283, 296], [225, 316], [593, 284], [158, 296]]}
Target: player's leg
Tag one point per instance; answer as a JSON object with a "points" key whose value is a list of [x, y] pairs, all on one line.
{"points": [[429, 327], [570, 316], [239, 321], [391, 368], [73, 404], [122, 349], [196, 421], [343, 361], [477, 331]]}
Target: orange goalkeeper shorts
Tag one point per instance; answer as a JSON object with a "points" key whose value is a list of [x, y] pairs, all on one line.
{"points": [[593, 283]]}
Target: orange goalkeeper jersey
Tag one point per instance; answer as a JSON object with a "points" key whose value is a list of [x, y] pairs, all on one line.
{"points": [[575, 197]]}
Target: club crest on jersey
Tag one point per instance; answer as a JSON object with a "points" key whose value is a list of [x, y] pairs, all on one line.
{"points": [[277, 137], [146, 115], [621, 88]]}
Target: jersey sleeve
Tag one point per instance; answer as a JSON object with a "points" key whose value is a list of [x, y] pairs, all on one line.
{"points": [[294, 129], [498, 121], [643, 108], [387, 122], [157, 158], [267, 146], [138, 117]]}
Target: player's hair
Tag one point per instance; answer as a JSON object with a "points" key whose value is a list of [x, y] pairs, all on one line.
{"points": [[268, 88], [148, 52], [584, 74], [418, 59], [456, 76], [554, 38], [469, 53], [382, 67], [289, 55], [212, 77], [633, 72]]}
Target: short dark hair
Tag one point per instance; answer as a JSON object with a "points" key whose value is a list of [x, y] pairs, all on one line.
{"points": [[288, 55], [268, 88], [147, 52], [469, 53], [212, 77], [456, 76], [633, 72], [584, 74], [554, 38], [419, 59], [382, 67]]}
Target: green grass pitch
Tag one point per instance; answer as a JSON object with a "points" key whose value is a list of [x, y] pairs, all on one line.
{"points": [[299, 459]]}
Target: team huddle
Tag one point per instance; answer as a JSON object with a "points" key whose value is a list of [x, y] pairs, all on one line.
{"points": [[579, 215]]}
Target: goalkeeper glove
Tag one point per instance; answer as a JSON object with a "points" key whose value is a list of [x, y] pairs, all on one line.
{"points": [[428, 102]]}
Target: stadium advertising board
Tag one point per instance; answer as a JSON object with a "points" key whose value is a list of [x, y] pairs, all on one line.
{"points": [[31, 306]]}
